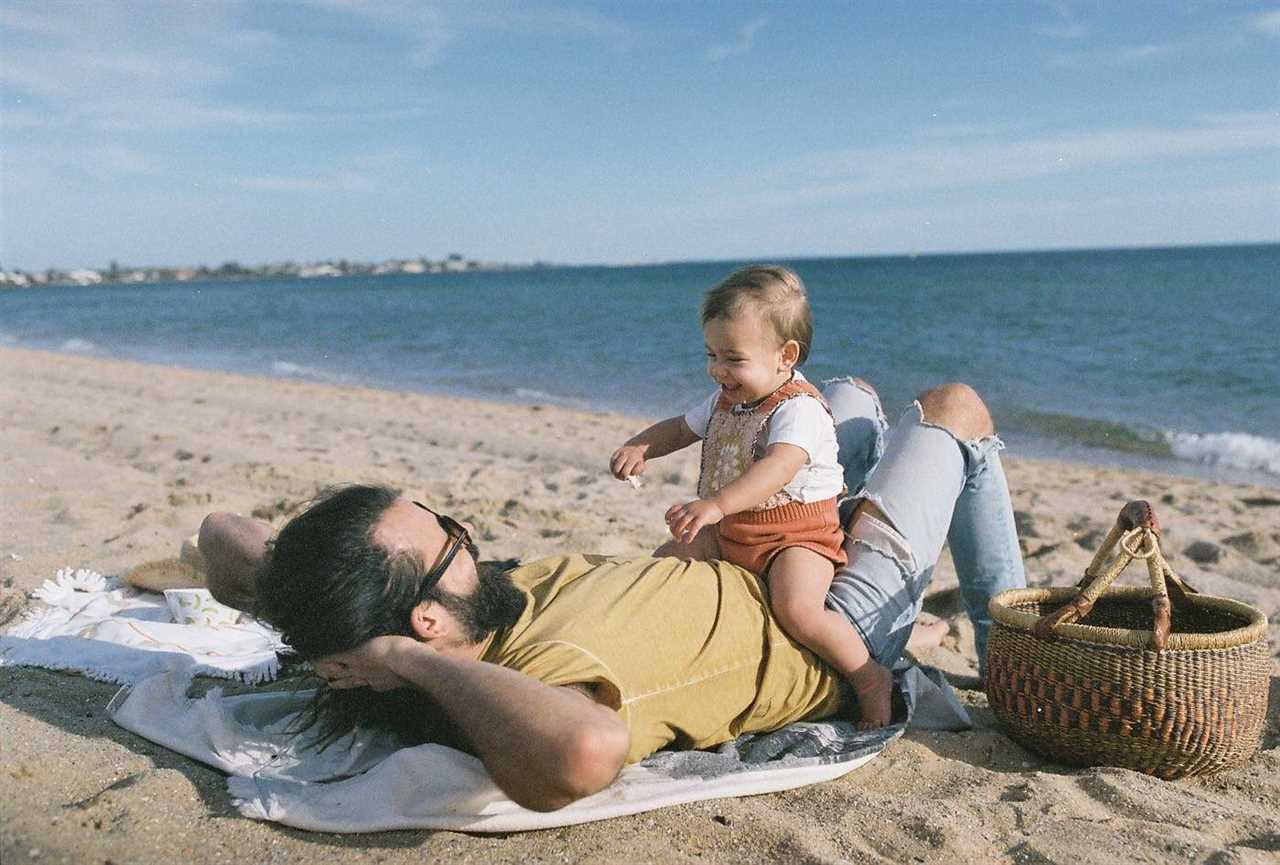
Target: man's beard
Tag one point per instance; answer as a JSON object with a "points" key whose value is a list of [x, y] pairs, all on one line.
{"points": [[495, 604]]}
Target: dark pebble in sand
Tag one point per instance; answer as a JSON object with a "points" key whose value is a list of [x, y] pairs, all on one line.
{"points": [[1255, 545], [1203, 552], [1091, 539], [1025, 524]]}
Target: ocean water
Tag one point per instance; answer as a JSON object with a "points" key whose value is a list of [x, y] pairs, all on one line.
{"points": [[1159, 358]]}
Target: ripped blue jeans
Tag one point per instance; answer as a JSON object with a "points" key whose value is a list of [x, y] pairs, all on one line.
{"points": [[934, 489]]}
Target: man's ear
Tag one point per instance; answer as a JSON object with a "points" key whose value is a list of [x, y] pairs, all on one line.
{"points": [[426, 622], [790, 353]]}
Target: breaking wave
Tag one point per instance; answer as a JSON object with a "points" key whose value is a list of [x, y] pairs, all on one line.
{"points": [[288, 369], [78, 346], [1237, 450]]}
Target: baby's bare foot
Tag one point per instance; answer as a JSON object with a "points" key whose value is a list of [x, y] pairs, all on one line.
{"points": [[927, 633], [874, 686]]}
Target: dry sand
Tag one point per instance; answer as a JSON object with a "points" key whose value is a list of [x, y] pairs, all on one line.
{"points": [[107, 464]]}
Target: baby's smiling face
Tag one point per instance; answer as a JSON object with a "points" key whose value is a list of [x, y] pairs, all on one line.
{"points": [[745, 356]]}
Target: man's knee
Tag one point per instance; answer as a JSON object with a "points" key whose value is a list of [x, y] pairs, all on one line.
{"points": [[216, 535], [233, 548], [958, 408]]}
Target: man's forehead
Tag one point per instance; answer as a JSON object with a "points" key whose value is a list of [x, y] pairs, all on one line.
{"points": [[406, 527]]}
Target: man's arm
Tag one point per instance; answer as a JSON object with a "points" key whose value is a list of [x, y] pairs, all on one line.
{"points": [[544, 746]]}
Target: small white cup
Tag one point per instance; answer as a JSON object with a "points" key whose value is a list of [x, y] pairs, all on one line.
{"points": [[197, 607]]}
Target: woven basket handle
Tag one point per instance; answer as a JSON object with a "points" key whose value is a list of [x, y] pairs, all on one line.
{"points": [[1137, 534]]}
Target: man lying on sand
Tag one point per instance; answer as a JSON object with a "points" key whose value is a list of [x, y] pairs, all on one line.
{"points": [[559, 672]]}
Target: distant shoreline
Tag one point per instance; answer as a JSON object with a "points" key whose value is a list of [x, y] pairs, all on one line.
{"points": [[327, 268]]}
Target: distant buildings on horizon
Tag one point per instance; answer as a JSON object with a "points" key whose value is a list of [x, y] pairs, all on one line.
{"points": [[120, 274]]}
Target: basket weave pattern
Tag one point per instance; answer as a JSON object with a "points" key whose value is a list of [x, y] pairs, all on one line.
{"points": [[1124, 677], [1163, 713]]}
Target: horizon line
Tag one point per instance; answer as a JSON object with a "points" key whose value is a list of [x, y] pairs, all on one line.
{"points": [[488, 264]]}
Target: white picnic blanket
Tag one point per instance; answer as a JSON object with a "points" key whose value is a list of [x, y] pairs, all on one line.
{"points": [[378, 783], [113, 632]]}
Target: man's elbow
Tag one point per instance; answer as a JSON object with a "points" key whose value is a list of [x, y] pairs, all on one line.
{"points": [[587, 761]]}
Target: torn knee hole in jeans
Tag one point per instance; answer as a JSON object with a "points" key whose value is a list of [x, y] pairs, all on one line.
{"points": [[975, 450], [862, 386], [976, 442], [879, 536]]}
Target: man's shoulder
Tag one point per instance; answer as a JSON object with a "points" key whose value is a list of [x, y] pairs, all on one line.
{"points": [[569, 566]]}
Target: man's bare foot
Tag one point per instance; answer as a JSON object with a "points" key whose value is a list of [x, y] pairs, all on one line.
{"points": [[927, 633], [874, 686]]}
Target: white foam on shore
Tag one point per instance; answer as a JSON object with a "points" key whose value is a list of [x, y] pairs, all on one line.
{"points": [[288, 369], [78, 346], [1237, 450], [528, 394]]}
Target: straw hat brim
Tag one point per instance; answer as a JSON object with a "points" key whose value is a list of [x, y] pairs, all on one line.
{"points": [[165, 574]]}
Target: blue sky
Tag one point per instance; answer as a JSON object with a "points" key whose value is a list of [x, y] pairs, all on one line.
{"points": [[186, 133]]}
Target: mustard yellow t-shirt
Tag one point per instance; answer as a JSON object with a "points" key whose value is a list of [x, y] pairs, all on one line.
{"points": [[687, 652]]}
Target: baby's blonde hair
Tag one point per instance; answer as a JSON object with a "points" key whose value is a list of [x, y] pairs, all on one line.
{"points": [[774, 290]]}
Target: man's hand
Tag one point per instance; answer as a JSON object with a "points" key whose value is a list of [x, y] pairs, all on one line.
{"points": [[367, 665], [685, 521], [627, 461]]}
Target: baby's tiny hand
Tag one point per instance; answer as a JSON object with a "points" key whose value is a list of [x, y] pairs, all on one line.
{"points": [[627, 461], [685, 521]]}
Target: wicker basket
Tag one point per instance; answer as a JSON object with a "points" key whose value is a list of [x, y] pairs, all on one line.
{"points": [[1163, 679]]}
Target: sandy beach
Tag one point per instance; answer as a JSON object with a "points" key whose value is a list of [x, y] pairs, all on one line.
{"points": [[107, 464]]}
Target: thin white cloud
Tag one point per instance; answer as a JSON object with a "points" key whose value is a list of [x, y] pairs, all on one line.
{"points": [[273, 183], [1228, 35], [1126, 55], [985, 163], [1065, 32], [1150, 51], [169, 66], [425, 25], [742, 45], [120, 65], [127, 160], [539, 19], [434, 27], [368, 171], [953, 131], [18, 119], [1066, 27], [1266, 22], [1058, 7]]}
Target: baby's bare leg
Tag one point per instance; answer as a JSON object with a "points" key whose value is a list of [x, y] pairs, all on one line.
{"points": [[798, 583], [703, 548]]}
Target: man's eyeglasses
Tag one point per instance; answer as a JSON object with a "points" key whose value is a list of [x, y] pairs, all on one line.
{"points": [[457, 539]]}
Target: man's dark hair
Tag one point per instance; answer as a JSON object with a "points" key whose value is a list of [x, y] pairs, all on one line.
{"points": [[328, 587]]}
